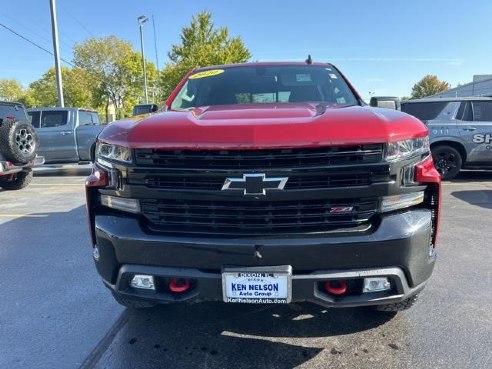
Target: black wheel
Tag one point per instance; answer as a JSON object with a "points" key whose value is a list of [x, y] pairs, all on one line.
{"points": [[16, 181], [130, 303], [447, 161], [398, 306], [18, 141]]}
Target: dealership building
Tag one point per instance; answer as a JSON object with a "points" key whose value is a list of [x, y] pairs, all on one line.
{"points": [[481, 86]]}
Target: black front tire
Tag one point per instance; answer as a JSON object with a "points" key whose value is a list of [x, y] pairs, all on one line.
{"points": [[447, 160], [130, 303], [17, 181], [398, 306]]}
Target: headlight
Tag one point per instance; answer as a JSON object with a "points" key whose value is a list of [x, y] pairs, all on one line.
{"points": [[400, 150], [113, 152]]}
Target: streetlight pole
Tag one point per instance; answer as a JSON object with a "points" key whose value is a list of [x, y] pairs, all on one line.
{"points": [[141, 20], [56, 52]]}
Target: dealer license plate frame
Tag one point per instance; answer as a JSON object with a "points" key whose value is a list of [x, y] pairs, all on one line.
{"points": [[269, 273]]}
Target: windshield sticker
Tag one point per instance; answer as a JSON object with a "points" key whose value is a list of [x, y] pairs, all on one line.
{"points": [[333, 76], [206, 73], [303, 77]]}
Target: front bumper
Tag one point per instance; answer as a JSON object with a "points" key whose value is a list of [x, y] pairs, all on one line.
{"points": [[398, 249]]}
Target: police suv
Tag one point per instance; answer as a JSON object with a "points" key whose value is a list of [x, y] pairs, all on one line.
{"points": [[460, 131]]}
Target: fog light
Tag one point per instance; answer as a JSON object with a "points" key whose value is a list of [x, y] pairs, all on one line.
{"points": [[376, 284], [143, 281]]}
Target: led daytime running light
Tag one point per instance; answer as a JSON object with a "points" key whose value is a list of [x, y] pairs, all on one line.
{"points": [[391, 203], [121, 203]]}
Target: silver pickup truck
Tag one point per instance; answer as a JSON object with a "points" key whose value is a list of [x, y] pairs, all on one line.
{"points": [[67, 135]]}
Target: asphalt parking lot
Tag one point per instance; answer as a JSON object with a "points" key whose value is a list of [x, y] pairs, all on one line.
{"points": [[55, 312]]}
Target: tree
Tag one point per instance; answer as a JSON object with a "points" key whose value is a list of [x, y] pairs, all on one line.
{"points": [[201, 45], [427, 86], [11, 90], [76, 89], [115, 71]]}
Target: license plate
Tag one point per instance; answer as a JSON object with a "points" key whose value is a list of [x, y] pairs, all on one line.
{"points": [[259, 285]]}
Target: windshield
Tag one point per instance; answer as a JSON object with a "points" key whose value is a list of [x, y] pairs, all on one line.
{"points": [[264, 84]]}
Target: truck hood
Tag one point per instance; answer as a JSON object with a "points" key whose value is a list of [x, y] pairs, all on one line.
{"points": [[256, 126]]}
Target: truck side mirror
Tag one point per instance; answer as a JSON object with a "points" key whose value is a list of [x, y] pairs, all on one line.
{"points": [[389, 102], [145, 109]]}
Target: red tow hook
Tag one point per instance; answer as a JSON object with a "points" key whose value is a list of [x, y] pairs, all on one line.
{"points": [[178, 285], [336, 287]]}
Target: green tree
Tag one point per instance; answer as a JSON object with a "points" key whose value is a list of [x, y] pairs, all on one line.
{"points": [[11, 90], [201, 45], [427, 86], [115, 71], [76, 89]]}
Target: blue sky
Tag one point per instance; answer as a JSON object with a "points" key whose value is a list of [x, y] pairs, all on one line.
{"points": [[382, 46]]}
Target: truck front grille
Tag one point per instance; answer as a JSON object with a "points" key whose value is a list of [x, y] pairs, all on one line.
{"points": [[260, 159], [213, 181], [251, 218]]}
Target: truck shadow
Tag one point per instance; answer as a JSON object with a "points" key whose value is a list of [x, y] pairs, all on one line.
{"points": [[50, 287], [473, 175], [230, 336], [482, 198]]}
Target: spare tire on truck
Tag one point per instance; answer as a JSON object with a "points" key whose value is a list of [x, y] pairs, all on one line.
{"points": [[18, 141]]}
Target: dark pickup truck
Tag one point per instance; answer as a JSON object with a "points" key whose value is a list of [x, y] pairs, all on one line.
{"points": [[265, 183], [18, 147]]}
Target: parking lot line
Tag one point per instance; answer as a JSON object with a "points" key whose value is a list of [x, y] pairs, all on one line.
{"points": [[23, 215]]}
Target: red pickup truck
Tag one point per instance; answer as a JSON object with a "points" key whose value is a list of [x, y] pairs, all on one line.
{"points": [[265, 183]]}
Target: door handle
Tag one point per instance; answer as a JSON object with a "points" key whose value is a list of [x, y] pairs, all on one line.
{"points": [[64, 133], [469, 128]]}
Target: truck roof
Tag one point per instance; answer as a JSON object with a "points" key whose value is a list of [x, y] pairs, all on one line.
{"points": [[59, 108], [262, 64]]}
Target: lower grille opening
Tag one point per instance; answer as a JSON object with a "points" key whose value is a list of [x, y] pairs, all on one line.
{"points": [[254, 218]]}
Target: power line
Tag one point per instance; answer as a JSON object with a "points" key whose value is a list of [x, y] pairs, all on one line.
{"points": [[76, 20], [32, 42], [36, 33]]}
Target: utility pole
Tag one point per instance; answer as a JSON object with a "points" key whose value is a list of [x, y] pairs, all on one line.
{"points": [[141, 20], [56, 52], [155, 45]]}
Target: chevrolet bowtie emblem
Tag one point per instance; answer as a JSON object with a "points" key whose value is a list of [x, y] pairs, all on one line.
{"points": [[254, 184]]}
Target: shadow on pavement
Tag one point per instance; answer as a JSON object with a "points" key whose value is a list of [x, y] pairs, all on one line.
{"points": [[482, 198], [53, 307], [473, 175], [217, 335]]}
